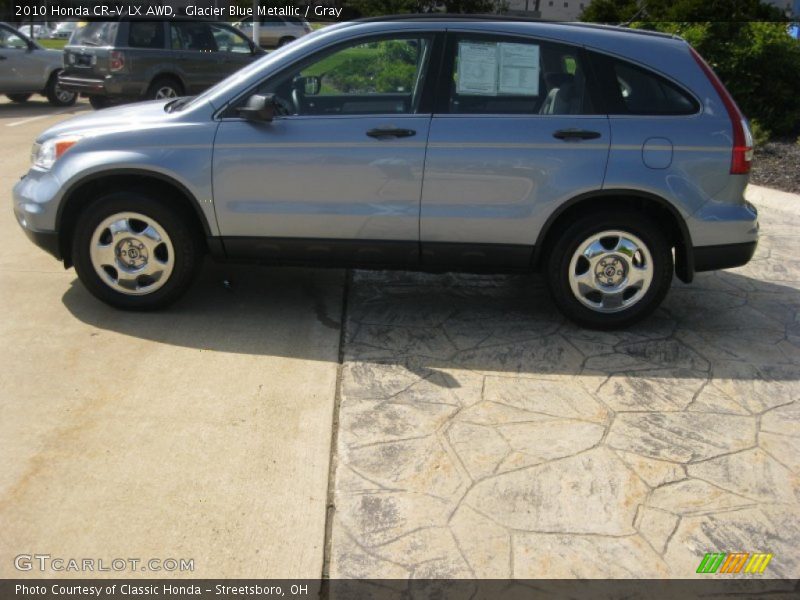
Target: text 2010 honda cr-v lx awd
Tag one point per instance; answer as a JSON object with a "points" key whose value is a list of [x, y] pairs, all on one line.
{"points": [[603, 157]]}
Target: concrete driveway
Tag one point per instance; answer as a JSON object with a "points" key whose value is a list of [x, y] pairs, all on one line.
{"points": [[477, 434], [482, 436], [202, 432]]}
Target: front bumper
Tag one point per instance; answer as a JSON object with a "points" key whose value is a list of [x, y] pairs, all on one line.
{"points": [[35, 210]]}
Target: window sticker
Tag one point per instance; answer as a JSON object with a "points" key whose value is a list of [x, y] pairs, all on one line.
{"points": [[492, 69], [477, 69], [519, 69]]}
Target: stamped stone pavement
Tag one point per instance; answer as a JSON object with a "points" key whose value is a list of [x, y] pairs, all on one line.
{"points": [[481, 435]]}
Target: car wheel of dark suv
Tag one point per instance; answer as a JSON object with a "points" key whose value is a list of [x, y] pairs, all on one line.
{"points": [[135, 252], [164, 88], [609, 270]]}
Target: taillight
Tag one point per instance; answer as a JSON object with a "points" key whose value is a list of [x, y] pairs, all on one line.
{"points": [[742, 155], [116, 61]]}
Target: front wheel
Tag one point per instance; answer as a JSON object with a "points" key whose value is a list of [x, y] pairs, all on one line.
{"points": [[135, 252], [609, 270]]}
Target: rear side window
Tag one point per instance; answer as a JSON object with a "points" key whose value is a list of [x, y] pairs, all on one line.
{"points": [[516, 76], [146, 35], [95, 34], [633, 90]]}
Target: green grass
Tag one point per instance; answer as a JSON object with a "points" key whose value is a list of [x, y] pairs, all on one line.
{"points": [[326, 65], [54, 44]]}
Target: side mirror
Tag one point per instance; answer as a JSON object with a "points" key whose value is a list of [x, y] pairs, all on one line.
{"points": [[308, 86], [258, 108]]}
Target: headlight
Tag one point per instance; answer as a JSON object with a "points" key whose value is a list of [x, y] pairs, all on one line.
{"points": [[44, 156]]}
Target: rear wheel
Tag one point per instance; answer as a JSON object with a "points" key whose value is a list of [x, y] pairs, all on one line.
{"points": [[609, 270], [19, 98], [99, 102], [58, 96], [285, 40], [135, 252], [165, 88]]}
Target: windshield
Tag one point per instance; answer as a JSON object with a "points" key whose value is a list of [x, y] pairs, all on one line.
{"points": [[95, 34]]}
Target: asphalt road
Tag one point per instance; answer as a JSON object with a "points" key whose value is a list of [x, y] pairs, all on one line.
{"points": [[202, 432]]}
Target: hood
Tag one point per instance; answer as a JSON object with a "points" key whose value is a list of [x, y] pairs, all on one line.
{"points": [[119, 118]]}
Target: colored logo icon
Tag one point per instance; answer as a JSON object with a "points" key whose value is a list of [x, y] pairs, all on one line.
{"points": [[734, 562]]}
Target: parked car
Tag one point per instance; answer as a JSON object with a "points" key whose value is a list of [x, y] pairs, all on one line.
{"points": [[64, 30], [36, 31], [274, 32], [605, 158], [26, 69], [135, 60]]}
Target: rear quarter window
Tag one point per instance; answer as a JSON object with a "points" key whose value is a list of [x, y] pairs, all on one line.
{"points": [[633, 90]]}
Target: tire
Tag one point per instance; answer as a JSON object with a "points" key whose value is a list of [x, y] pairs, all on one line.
{"points": [[285, 40], [611, 291], [164, 88], [57, 96], [99, 102], [19, 98], [151, 237]]}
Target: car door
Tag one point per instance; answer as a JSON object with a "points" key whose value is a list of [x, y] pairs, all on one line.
{"points": [[339, 177], [514, 135], [18, 73], [234, 50], [198, 61]]}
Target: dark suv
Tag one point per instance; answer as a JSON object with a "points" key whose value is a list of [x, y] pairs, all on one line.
{"points": [[135, 60]]}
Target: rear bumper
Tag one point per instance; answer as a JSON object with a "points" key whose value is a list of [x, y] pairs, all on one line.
{"points": [[111, 85], [725, 256]]}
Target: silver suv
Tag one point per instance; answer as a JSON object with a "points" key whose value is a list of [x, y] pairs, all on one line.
{"points": [[605, 158]]}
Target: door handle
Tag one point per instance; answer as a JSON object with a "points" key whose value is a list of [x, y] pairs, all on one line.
{"points": [[575, 134], [387, 132], [3, 57]]}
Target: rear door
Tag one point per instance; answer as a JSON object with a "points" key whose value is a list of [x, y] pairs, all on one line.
{"points": [[515, 134]]}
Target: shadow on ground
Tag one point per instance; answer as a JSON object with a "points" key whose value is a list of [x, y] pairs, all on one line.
{"points": [[727, 322]]}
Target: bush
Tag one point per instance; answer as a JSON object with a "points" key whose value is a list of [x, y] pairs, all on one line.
{"points": [[761, 135], [750, 50]]}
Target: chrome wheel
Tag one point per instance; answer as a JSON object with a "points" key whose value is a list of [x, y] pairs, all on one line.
{"points": [[132, 253], [610, 271], [64, 96], [165, 92]]}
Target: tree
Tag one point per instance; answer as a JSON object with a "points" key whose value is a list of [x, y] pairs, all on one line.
{"points": [[368, 8], [619, 11]]}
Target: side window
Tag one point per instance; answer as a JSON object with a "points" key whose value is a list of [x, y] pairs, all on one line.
{"points": [[512, 76], [637, 91], [10, 40], [193, 36], [146, 34], [380, 76], [228, 40]]}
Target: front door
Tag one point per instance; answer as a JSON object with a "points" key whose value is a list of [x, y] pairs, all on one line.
{"points": [[514, 135], [339, 175], [16, 63]]}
